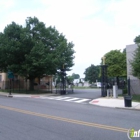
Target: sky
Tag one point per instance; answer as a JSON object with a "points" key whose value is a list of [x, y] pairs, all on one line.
{"points": [[94, 26]]}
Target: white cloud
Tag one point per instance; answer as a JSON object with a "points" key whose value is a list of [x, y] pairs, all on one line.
{"points": [[94, 26], [6, 4]]}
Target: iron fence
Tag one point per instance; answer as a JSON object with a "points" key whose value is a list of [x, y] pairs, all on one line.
{"points": [[120, 81], [60, 87], [21, 86]]}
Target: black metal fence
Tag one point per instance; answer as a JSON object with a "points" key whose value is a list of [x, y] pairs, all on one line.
{"points": [[20, 86], [120, 81], [60, 87]]}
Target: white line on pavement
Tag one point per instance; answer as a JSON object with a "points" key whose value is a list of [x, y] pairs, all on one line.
{"points": [[62, 98], [82, 100], [72, 99]]}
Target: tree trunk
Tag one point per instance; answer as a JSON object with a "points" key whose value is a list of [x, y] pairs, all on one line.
{"points": [[31, 85]]}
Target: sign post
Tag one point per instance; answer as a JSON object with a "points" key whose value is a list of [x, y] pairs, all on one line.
{"points": [[10, 76]]}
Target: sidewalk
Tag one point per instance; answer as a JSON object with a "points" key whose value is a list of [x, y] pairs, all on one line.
{"points": [[25, 95], [102, 101], [115, 103]]}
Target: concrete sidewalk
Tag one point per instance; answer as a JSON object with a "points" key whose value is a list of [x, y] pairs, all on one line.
{"points": [[114, 103], [103, 101], [25, 95]]}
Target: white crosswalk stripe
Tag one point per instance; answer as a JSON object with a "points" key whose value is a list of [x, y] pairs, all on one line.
{"points": [[72, 99], [68, 99], [62, 98], [82, 100]]}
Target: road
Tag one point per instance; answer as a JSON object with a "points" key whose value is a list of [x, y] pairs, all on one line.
{"points": [[86, 93], [44, 119]]}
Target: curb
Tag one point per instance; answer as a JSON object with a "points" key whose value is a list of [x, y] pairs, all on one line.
{"points": [[4, 95], [137, 107], [27, 95], [125, 108]]}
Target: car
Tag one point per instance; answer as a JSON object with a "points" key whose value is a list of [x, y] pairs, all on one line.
{"points": [[99, 84]]}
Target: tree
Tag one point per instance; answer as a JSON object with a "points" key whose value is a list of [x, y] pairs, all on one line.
{"points": [[135, 63], [75, 76], [116, 61], [34, 50], [70, 79], [137, 39], [92, 73]]}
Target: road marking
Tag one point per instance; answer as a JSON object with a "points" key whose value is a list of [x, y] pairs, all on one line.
{"points": [[62, 98], [113, 128], [82, 100], [72, 99], [68, 99], [96, 101]]}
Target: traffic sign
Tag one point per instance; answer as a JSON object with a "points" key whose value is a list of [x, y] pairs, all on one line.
{"points": [[10, 75]]}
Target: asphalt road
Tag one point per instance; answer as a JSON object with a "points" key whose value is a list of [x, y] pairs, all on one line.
{"points": [[38, 119], [87, 93]]}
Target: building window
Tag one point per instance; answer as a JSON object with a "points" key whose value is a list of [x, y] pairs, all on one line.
{"points": [[0, 78]]}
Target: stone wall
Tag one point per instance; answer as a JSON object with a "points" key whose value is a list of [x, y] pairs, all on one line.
{"points": [[134, 82]]}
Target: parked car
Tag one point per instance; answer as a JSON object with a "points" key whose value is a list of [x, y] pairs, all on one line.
{"points": [[99, 84]]}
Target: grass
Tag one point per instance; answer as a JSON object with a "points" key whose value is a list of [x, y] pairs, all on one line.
{"points": [[135, 97]]}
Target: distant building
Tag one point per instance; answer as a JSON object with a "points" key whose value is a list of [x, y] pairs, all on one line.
{"points": [[43, 83], [76, 81], [80, 82], [134, 81]]}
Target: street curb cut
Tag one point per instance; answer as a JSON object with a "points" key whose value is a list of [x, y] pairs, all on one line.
{"points": [[100, 105]]}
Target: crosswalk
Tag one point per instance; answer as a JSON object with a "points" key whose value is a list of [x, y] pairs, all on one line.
{"points": [[67, 99]]}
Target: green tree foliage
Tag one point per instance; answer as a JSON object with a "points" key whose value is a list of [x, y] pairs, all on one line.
{"points": [[75, 76], [34, 50], [92, 73], [70, 79], [135, 63], [137, 39], [116, 61]]}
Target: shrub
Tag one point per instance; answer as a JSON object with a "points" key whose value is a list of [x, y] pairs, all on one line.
{"points": [[125, 91]]}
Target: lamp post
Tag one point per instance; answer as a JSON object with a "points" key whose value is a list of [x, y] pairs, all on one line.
{"points": [[103, 78]]}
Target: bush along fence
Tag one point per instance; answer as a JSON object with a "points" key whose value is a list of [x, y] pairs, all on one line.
{"points": [[20, 86]]}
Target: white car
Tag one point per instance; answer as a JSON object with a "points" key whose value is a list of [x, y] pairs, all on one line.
{"points": [[98, 84]]}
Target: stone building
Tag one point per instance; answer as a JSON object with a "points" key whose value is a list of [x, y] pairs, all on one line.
{"points": [[134, 81]]}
